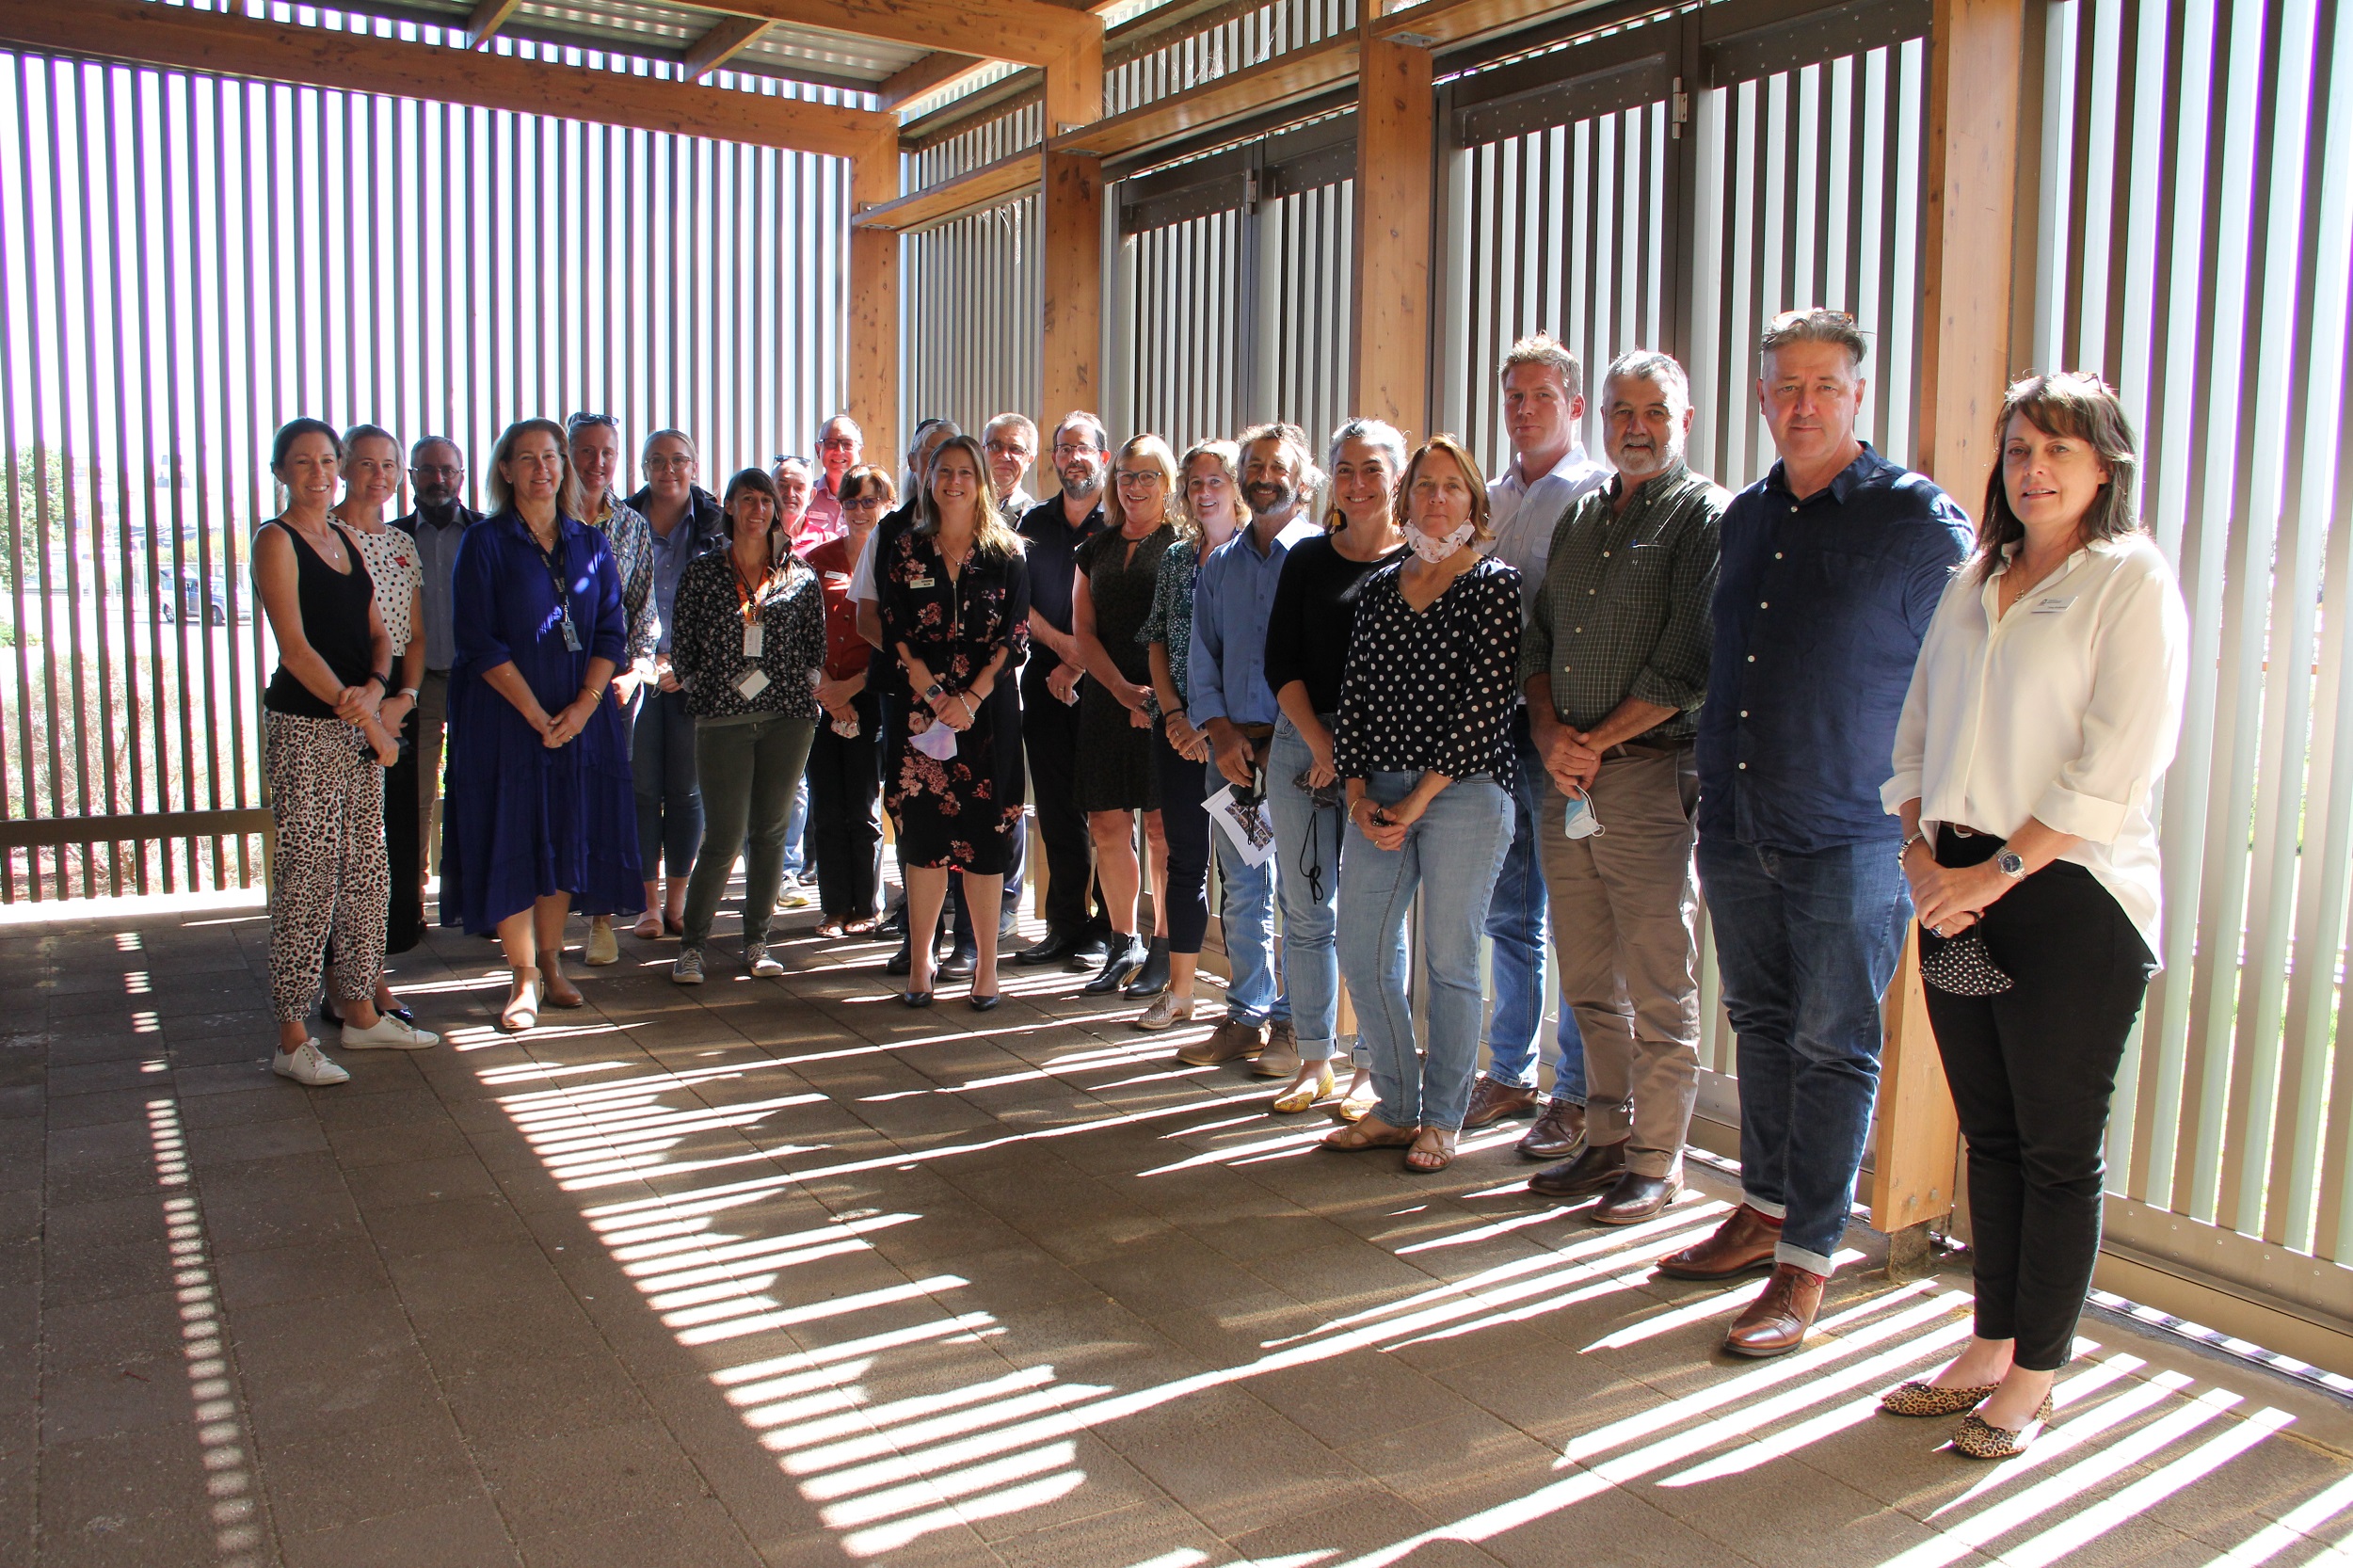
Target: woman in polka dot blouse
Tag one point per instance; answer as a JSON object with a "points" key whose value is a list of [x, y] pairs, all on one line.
{"points": [[1424, 739]]}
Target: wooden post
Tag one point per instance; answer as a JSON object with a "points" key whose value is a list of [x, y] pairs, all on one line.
{"points": [[1396, 132], [873, 375], [1975, 107], [1070, 342]]}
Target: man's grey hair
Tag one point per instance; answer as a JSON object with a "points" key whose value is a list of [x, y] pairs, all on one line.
{"points": [[1816, 324], [1546, 350], [946, 427], [1081, 417], [1291, 435], [1373, 432], [1649, 364], [845, 422], [1022, 423], [416, 450]]}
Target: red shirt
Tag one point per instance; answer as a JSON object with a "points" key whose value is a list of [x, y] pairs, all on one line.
{"points": [[846, 653]]}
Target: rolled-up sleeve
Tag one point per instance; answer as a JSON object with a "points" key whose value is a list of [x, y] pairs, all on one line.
{"points": [[2140, 673], [1675, 675]]}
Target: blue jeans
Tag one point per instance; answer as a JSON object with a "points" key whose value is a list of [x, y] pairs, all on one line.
{"points": [[662, 770], [1516, 924], [796, 826], [1308, 851], [1245, 914], [1452, 855], [1806, 944]]}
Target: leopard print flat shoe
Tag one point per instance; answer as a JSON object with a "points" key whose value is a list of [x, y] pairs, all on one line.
{"points": [[1924, 1398], [1974, 1438]]}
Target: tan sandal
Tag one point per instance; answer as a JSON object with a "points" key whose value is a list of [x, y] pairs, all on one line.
{"points": [[521, 1011], [1443, 1154], [1371, 1133], [1299, 1096]]}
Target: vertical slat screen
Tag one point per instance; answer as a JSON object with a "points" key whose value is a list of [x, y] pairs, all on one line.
{"points": [[973, 291], [1188, 356], [1313, 232], [189, 260]]}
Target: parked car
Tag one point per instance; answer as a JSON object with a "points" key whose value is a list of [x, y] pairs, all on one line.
{"points": [[184, 596]]}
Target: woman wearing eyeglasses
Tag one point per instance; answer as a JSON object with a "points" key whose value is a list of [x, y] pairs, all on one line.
{"points": [[845, 760]]}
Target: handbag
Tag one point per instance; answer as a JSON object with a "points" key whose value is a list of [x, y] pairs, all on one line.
{"points": [[1962, 965]]}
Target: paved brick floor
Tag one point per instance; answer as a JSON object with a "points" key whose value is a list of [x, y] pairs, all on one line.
{"points": [[779, 1272]]}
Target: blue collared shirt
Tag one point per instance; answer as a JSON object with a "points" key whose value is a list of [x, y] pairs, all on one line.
{"points": [[1821, 606], [1233, 602]]}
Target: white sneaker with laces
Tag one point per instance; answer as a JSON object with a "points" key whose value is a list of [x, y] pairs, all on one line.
{"points": [[307, 1064], [688, 967], [794, 894], [389, 1034], [757, 959], [603, 947]]}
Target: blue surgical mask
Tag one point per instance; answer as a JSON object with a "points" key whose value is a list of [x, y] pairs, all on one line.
{"points": [[1578, 821]]}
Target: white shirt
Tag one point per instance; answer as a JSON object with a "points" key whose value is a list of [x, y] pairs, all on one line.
{"points": [[863, 575], [1523, 516], [2067, 710]]}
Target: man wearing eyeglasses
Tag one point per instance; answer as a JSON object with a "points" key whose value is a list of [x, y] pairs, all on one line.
{"points": [[841, 447], [436, 478], [1011, 441]]}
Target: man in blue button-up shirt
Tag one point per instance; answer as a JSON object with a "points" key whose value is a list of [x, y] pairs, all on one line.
{"points": [[1832, 566], [1233, 599]]}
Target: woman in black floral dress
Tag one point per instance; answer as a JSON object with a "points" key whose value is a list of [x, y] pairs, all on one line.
{"points": [[954, 594]]}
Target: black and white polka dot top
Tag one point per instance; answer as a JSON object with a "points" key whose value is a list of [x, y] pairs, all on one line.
{"points": [[1432, 690]]}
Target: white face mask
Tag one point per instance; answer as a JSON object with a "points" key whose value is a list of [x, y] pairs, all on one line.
{"points": [[1437, 551]]}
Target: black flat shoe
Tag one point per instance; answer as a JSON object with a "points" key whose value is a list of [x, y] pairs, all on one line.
{"points": [[916, 998], [1089, 954], [1052, 949], [984, 1004], [327, 1012], [1152, 979], [1120, 966]]}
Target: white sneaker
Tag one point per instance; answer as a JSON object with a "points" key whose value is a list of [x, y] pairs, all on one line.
{"points": [[794, 894], [688, 968], [389, 1034], [757, 959], [307, 1064], [603, 947]]}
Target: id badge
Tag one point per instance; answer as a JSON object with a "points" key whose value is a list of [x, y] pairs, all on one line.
{"points": [[753, 683], [571, 634], [752, 636]]}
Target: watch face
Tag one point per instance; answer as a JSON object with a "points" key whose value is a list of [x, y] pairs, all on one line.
{"points": [[2011, 864]]}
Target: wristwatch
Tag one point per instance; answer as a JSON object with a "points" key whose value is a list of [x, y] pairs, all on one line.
{"points": [[2010, 866], [931, 692], [408, 692]]}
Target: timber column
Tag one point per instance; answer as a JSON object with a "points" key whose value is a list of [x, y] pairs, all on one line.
{"points": [[871, 374], [1396, 161], [1071, 341]]}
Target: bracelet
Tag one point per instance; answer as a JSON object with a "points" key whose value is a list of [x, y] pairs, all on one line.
{"points": [[383, 680], [408, 692], [969, 711], [1917, 838]]}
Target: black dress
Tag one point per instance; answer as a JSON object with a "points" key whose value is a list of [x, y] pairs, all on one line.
{"points": [[1115, 768], [958, 812]]}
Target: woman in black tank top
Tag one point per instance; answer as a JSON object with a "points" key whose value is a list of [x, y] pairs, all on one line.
{"points": [[326, 791]]}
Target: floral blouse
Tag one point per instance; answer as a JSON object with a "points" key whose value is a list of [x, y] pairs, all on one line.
{"points": [[954, 627], [1171, 621], [707, 639], [1432, 690]]}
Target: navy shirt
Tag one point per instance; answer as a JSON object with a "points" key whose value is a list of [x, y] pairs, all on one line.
{"points": [[1053, 552], [1820, 607]]}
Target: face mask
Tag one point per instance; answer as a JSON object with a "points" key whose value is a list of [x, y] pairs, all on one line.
{"points": [[1437, 551], [1578, 821]]}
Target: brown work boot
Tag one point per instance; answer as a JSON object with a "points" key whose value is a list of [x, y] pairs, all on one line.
{"points": [[1491, 1101], [1776, 1321], [1280, 1057], [1596, 1170], [1559, 1132], [1232, 1042], [1745, 1240]]}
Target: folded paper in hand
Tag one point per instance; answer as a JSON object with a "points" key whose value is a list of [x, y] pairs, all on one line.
{"points": [[1244, 822]]}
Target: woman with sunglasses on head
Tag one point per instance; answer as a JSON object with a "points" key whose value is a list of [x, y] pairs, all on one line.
{"points": [[845, 758], [1306, 651]]}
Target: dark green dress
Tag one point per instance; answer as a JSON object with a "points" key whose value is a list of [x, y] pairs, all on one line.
{"points": [[1116, 767]]}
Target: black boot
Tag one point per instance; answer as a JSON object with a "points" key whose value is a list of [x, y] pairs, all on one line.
{"points": [[1152, 979], [1052, 947], [1126, 956]]}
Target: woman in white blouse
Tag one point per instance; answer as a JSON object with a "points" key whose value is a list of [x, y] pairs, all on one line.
{"points": [[2043, 709]]}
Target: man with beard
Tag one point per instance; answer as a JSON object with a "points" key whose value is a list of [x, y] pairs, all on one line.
{"points": [[1055, 530], [436, 478], [1614, 664], [1233, 599]]}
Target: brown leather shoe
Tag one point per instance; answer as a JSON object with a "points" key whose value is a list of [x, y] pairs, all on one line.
{"points": [[1280, 1059], [1232, 1041], [1491, 1101], [1634, 1197], [1745, 1240], [1596, 1170], [1776, 1321], [1559, 1131]]}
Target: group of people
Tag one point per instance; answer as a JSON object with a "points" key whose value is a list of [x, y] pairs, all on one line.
{"points": [[1563, 702]]}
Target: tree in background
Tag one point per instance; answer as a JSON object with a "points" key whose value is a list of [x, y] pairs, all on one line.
{"points": [[36, 499]]}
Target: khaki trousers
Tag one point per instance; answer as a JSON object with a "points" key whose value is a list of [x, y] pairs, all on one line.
{"points": [[1625, 908], [432, 720]]}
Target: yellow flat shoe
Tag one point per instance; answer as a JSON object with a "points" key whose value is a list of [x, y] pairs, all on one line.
{"points": [[1301, 1095]]}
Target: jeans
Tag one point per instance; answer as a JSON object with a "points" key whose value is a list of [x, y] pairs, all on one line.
{"points": [[846, 817], [1188, 829], [1308, 851], [2032, 1072], [662, 768], [1452, 855], [748, 768], [1806, 944], [1245, 914], [795, 830], [1516, 924]]}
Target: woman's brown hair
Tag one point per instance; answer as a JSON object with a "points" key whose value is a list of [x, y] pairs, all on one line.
{"points": [[2063, 403], [503, 492], [1452, 448]]}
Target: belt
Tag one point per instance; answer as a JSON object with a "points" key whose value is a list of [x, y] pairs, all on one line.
{"points": [[1254, 731], [1646, 749]]}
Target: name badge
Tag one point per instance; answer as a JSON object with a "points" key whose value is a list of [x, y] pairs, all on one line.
{"points": [[921, 582], [752, 639], [753, 683], [571, 634], [2052, 606], [837, 580]]}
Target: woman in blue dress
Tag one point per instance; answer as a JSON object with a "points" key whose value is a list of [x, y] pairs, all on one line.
{"points": [[540, 814]]}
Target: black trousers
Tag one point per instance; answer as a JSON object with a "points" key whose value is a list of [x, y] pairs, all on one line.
{"points": [[846, 813], [1183, 787], [2032, 1072], [1050, 731]]}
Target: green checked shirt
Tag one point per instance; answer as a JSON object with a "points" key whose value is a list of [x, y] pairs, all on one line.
{"points": [[1624, 610]]}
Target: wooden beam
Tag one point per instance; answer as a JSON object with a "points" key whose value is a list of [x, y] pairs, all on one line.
{"points": [[989, 185], [872, 376], [1446, 23], [173, 37], [488, 18], [933, 72], [1289, 78], [729, 37], [1028, 32], [1974, 90], [1395, 152]]}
